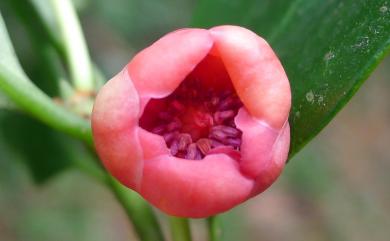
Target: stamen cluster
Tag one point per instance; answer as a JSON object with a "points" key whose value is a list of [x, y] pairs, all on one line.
{"points": [[195, 121]]}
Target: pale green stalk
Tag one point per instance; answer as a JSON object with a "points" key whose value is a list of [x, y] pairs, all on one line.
{"points": [[180, 229], [76, 51]]}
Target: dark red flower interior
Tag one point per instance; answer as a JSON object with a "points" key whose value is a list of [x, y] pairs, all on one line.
{"points": [[198, 117]]}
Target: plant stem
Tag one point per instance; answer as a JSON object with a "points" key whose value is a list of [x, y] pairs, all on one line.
{"points": [[85, 160], [18, 88], [77, 55], [214, 228], [29, 98], [139, 212], [180, 229]]}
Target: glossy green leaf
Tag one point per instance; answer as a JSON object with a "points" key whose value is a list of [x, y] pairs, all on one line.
{"points": [[328, 48]]}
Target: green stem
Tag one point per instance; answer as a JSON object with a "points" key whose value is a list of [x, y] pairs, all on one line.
{"points": [[18, 88], [6, 103], [139, 212], [31, 99], [77, 56], [180, 229], [85, 160], [214, 229]]}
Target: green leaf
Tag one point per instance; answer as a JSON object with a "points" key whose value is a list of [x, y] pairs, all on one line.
{"points": [[328, 48]]}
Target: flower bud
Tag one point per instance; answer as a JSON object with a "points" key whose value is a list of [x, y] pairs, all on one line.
{"points": [[196, 123]]}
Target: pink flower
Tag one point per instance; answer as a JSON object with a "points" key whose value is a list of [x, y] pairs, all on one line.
{"points": [[197, 122]]}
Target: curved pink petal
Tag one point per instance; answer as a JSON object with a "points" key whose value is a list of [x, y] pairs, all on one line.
{"points": [[152, 145], [114, 120], [256, 73], [264, 150], [194, 188], [157, 70], [257, 141], [270, 172]]}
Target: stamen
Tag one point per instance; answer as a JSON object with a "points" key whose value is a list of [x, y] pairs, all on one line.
{"points": [[227, 130], [168, 137], [221, 116], [218, 135], [203, 120], [184, 141], [193, 153], [204, 145], [215, 143], [227, 103], [174, 147], [194, 121], [235, 142]]}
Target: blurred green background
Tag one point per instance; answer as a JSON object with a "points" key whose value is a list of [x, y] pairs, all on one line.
{"points": [[337, 188]]}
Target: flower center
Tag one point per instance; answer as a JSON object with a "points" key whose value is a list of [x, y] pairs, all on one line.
{"points": [[196, 118]]}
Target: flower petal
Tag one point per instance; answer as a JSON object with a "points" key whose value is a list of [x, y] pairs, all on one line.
{"points": [[114, 120], [159, 69], [265, 161], [271, 172], [256, 73], [194, 188], [254, 132], [152, 145]]}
